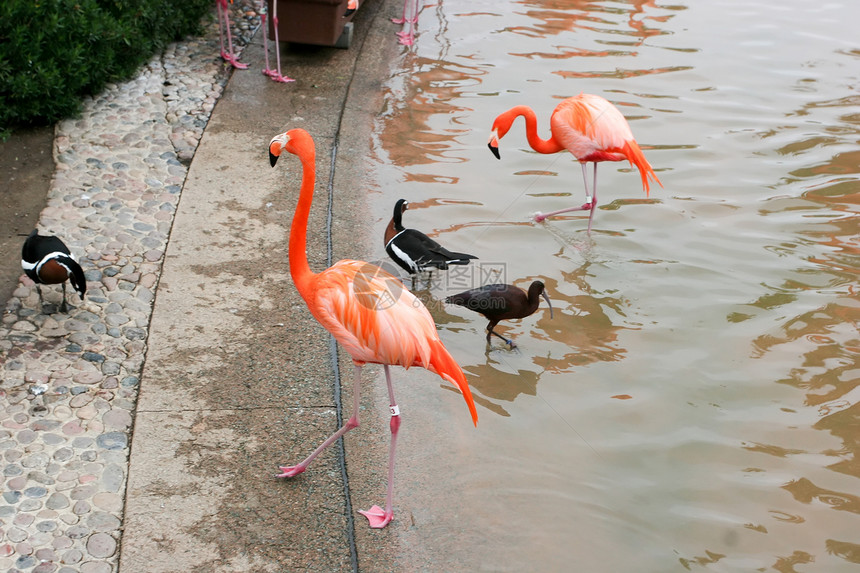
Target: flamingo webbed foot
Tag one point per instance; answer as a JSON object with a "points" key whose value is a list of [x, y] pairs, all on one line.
{"points": [[377, 517], [233, 61], [290, 471], [276, 76], [539, 217]]}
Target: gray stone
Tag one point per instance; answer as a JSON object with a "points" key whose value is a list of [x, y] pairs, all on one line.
{"points": [[112, 441], [101, 545], [93, 357], [113, 477], [16, 534], [57, 501], [103, 521]]}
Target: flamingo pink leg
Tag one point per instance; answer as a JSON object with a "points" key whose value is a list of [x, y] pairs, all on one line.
{"points": [[407, 34], [274, 74], [291, 471], [590, 200], [375, 515], [224, 22]]}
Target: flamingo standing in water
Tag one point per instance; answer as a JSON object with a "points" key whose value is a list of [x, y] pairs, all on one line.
{"points": [[368, 311], [589, 127]]}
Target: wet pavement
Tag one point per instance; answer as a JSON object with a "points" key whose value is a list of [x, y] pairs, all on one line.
{"points": [[142, 430]]}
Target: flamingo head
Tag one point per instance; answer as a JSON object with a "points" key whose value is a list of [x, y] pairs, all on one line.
{"points": [[294, 141]]}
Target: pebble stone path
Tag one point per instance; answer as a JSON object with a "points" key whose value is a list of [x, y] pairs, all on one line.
{"points": [[69, 381]]}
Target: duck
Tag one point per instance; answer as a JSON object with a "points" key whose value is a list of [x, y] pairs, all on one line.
{"points": [[47, 260], [414, 251]]}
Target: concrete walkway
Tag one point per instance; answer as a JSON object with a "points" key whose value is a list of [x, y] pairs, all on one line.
{"points": [[142, 431], [238, 376]]}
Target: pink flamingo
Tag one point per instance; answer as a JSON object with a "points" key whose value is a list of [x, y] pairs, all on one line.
{"points": [[224, 22], [407, 34], [274, 74], [368, 311], [589, 127]]}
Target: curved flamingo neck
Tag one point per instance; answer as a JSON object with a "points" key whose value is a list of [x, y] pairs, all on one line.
{"points": [[504, 121], [299, 267]]}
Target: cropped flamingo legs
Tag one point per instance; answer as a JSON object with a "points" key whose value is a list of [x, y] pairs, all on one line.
{"points": [[275, 74], [224, 23], [407, 34]]}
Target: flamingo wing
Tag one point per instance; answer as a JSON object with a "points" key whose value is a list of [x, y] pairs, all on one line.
{"points": [[372, 315], [589, 125], [593, 129], [376, 319]]}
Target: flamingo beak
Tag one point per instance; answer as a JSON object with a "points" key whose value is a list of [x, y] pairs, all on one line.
{"points": [[276, 146], [546, 298], [493, 144]]}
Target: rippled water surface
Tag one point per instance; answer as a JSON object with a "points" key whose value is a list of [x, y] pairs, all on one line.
{"points": [[693, 403]]}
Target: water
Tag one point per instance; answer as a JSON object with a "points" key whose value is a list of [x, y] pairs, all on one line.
{"points": [[692, 405]]}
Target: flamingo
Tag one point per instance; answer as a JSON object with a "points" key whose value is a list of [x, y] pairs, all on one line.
{"points": [[502, 302], [274, 74], [47, 260], [407, 34], [368, 311], [224, 22], [589, 127]]}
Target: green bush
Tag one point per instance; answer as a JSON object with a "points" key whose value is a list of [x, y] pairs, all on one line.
{"points": [[55, 52]]}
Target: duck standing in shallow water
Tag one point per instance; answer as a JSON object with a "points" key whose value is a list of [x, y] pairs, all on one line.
{"points": [[47, 260], [502, 302], [414, 251]]}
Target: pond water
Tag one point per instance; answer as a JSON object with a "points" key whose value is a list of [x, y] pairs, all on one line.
{"points": [[692, 405]]}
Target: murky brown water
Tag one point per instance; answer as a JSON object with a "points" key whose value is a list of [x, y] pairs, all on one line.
{"points": [[693, 404]]}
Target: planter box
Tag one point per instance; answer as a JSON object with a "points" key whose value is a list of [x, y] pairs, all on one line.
{"points": [[319, 22]]}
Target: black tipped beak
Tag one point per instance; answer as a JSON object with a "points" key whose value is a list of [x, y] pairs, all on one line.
{"points": [[495, 150], [273, 158], [546, 297]]}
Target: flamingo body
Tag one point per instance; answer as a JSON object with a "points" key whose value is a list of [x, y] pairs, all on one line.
{"points": [[591, 129], [368, 311]]}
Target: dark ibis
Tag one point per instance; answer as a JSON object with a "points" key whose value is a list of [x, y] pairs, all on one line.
{"points": [[414, 251], [47, 260], [502, 302]]}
